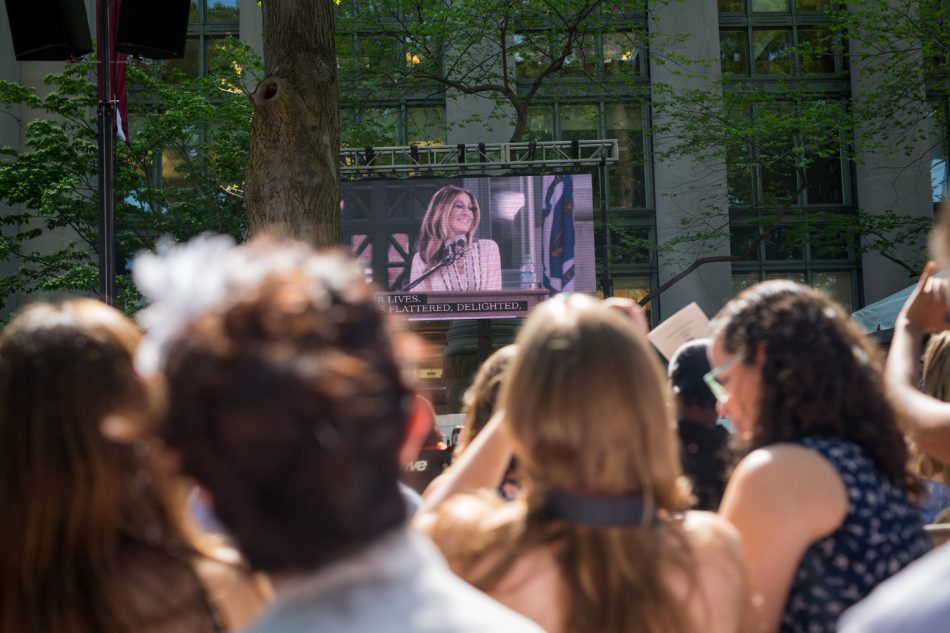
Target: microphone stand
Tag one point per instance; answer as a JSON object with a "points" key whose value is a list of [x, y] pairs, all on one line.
{"points": [[448, 259]]}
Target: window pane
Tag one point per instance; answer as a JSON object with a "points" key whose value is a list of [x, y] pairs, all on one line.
{"points": [[582, 62], [741, 281], [383, 123], [540, 126], [187, 65], [578, 122], [837, 285], [378, 53], [624, 122], [779, 180], [741, 240], [176, 164], [630, 245], [829, 242], [347, 61], [824, 180], [790, 276], [739, 176], [733, 52], [776, 155], [621, 55], [218, 57], [771, 51], [223, 11], [194, 12], [426, 125], [740, 160], [816, 51], [784, 244], [734, 6], [528, 61], [346, 9], [938, 152], [812, 5], [768, 5], [633, 288]]}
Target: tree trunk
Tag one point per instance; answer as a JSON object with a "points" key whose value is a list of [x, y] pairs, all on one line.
{"points": [[293, 178]]}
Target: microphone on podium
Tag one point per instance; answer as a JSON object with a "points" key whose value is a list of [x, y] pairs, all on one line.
{"points": [[454, 247]]}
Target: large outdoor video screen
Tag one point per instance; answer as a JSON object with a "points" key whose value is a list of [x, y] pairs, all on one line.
{"points": [[472, 247]]}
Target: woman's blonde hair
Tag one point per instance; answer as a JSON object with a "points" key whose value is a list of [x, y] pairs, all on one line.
{"points": [[936, 373], [436, 219], [937, 366], [588, 409], [78, 481]]}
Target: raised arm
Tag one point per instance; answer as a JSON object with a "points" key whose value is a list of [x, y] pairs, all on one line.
{"points": [[927, 419]]}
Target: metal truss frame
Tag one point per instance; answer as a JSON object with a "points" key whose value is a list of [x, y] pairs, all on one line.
{"points": [[416, 160]]}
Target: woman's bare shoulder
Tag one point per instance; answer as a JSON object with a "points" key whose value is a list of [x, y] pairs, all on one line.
{"points": [[467, 526], [709, 533], [716, 546], [716, 585]]}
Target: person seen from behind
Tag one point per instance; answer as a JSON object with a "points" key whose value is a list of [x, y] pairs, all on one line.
{"points": [[288, 404], [823, 500], [703, 441], [94, 538], [599, 540]]}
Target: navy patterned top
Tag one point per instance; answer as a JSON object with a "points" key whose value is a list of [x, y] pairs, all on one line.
{"points": [[881, 533]]}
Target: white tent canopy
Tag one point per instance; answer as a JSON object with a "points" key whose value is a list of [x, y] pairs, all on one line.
{"points": [[881, 315]]}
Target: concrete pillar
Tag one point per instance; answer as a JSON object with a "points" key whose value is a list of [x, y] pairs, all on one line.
{"points": [[686, 186], [886, 177], [251, 25], [9, 133]]}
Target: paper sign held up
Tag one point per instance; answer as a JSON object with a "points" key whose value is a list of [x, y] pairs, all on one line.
{"points": [[686, 325]]}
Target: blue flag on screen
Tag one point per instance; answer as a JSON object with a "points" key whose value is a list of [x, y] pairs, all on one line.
{"points": [[558, 235]]}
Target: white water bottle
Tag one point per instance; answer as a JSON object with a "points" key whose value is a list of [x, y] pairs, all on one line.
{"points": [[527, 273]]}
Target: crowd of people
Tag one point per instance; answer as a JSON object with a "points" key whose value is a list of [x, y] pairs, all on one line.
{"points": [[590, 490]]}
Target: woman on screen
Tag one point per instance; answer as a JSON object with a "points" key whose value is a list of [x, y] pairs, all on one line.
{"points": [[448, 238]]}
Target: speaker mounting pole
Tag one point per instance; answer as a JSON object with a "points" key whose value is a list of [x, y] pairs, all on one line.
{"points": [[106, 133]]}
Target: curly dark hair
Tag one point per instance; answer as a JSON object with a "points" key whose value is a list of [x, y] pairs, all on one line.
{"points": [[288, 404], [821, 375]]}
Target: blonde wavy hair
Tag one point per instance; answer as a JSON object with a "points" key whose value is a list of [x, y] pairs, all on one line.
{"points": [[436, 221], [588, 409], [936, 373]]}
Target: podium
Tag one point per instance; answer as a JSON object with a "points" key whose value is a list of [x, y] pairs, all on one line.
{"points": [[482, 304]]}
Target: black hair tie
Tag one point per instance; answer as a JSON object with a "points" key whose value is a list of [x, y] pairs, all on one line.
{"points": [[598, 511]]}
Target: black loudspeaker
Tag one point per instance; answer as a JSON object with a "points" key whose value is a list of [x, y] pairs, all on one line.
{"points": [[152, 28], [48, 30]]}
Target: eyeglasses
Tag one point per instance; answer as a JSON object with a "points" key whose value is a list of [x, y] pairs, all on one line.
{"points": [[711, 378]]}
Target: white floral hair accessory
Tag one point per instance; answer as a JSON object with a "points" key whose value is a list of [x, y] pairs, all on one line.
{"points": [[181, 282]]}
